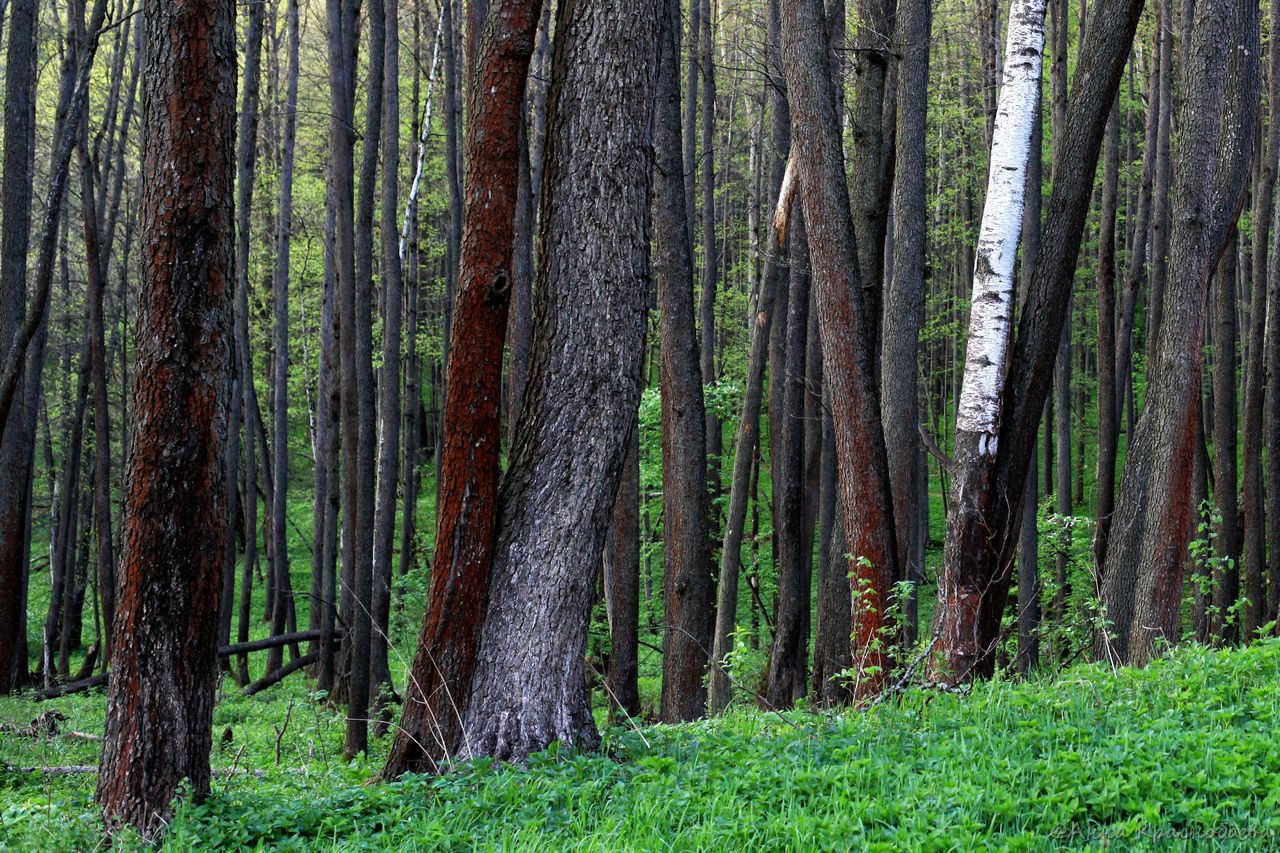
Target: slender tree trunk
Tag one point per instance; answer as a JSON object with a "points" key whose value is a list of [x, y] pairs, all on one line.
{"points": [[622, 589], [905, 298], [1029, 535], [786, 680], [1271, 344], [389, 405], [686, 557], [746, 448], [1257, 613], [1225, 625], [163, 668], [280, 368], [1160, 221], [710, 262], [1108, 415]]}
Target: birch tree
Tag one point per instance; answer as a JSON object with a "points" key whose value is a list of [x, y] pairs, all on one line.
{"points": [[991, 315]]}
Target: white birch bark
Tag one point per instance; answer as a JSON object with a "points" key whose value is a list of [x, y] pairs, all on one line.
{"points": [[991, 314]]}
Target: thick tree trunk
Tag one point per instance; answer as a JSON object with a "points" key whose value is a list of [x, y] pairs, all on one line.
{"points": [[846, 328], [19, 132], [163, 668], [430, 731], [686, 556], [1142, 581], [529, 688]]}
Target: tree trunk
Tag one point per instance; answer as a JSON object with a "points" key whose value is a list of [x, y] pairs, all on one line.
{"points": [[430, 732], [1142, 581], [686, 557], [622, 589], [19, 137], [1225, 625], [163, 668], [529, 688], [1108, 415], [979, 546], [746, 448], [846, 329], [960, 590], [710, 262], [280, 368], [384, 515], [905, 298], [786, 675]]}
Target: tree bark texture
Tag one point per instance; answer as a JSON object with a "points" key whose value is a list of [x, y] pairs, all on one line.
{"points": [[961, 591], [558, 493], [1142, 580], [981, 538], [163, 668], [430, 731]]}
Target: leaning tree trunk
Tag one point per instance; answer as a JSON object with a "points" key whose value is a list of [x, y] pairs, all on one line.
{"points": [[164, 667], [585, 378], [960, 589], [685, 506], [430, 731], [980, 545], [846, 336]]}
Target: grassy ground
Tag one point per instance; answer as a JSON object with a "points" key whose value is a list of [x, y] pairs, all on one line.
{"points": [[1179, 756]]}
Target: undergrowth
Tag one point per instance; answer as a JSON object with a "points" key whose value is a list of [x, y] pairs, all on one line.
{"points": [[1180, 755]]}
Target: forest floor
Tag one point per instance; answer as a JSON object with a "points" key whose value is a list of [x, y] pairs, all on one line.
{"points": [[1181, 755]]}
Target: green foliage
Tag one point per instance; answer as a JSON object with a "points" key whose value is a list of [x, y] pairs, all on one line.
{"points": [[1178, 756]]}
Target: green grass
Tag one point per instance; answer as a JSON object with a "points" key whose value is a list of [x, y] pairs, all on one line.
{"points": [[1178, 756]]}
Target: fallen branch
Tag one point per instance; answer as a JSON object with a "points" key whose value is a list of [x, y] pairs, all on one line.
{"points": [[100, 679], [275, 642], [69, 769], [80, 686], [277, 676]]}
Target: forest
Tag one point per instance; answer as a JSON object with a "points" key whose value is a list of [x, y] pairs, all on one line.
{"points": [[639, 424]]}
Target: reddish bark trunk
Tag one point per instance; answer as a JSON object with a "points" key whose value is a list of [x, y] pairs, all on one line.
{"points": [[430, 728], [846, 338], [163, 667]]}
